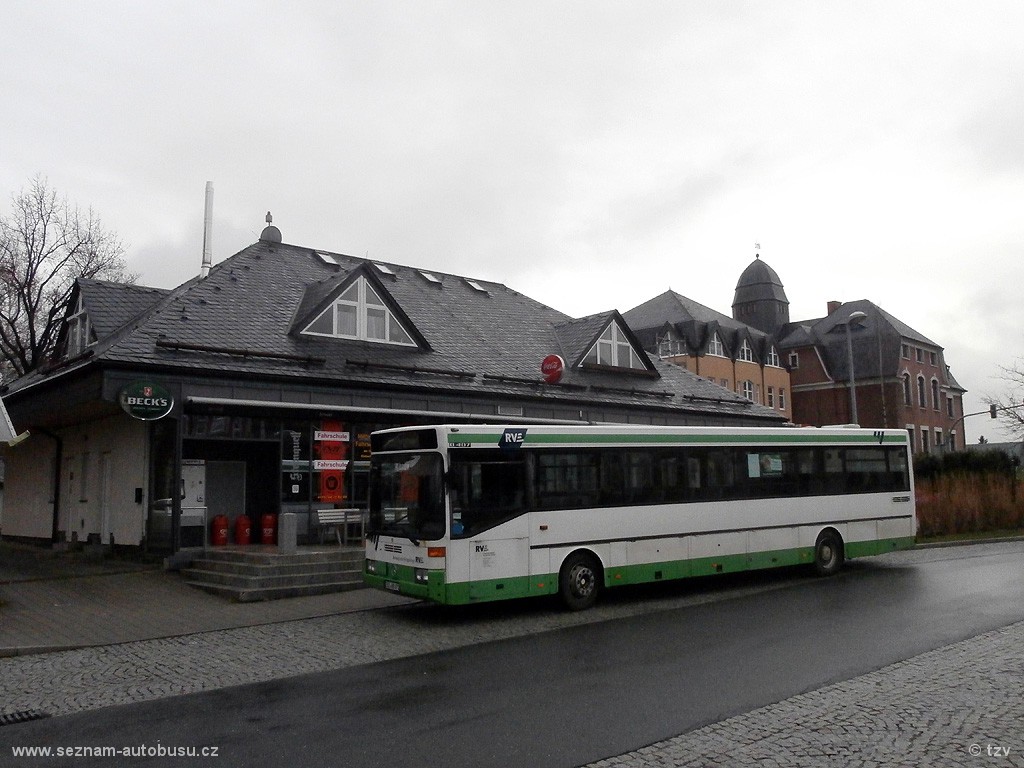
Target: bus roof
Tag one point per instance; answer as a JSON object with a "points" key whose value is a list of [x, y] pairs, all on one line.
{"points": [[493, 435]]}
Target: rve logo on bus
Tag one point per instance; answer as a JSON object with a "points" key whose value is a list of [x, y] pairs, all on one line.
{"points": [[512, 439]]}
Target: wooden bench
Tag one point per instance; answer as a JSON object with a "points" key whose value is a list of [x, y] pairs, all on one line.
{"points": [[339, 520]]}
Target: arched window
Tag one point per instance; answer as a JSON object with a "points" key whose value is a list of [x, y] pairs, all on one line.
{"points": [[906, 390], [746, 353], [935, 394], [920, 392]]}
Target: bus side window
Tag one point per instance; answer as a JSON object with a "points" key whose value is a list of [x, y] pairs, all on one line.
{"points": [[835, 477], [721, 474], [899, 476], [486, 489], [612, 479]]}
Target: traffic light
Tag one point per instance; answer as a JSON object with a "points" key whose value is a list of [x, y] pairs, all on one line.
{"points": [[992, 410]]}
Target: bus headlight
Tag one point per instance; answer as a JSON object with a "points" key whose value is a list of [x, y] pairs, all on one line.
{"points": [[371, 566], [421, 575]]}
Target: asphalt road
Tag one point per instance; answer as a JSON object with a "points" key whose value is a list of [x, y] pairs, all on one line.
{"points": [[575, 695]]}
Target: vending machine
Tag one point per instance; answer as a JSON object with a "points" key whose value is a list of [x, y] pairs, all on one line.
{"points": [[193, 503]]}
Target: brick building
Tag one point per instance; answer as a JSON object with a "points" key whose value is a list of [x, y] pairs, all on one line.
{"points": [[802, 368], [716, 347]]}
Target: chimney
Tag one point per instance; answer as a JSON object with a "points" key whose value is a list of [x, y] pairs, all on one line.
{"points": [[833, 306], [207, 232]]}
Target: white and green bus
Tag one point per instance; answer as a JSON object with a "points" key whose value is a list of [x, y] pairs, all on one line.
{"points": [[469, 513]]}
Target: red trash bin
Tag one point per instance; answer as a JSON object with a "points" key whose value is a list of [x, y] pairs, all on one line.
{"points": [[243, 530], [268, 529], [219, 530]]}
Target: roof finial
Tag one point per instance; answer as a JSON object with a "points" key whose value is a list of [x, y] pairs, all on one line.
{"points": [[270, 233], [757, 248]]}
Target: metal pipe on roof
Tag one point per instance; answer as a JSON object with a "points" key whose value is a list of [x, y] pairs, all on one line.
{"points": [[207, 232]]}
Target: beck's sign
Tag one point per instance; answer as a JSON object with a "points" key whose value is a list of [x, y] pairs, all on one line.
{"points": [[145, 401]]}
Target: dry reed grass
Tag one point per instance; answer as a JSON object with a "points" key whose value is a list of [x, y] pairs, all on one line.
{"points": [[959, 503]]}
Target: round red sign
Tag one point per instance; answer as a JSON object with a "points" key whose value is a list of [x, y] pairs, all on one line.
{"points": [[553, 366]]}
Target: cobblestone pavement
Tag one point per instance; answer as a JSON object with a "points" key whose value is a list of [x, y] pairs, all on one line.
{"points": [[87, 678], [933, 709], [960, 705]]}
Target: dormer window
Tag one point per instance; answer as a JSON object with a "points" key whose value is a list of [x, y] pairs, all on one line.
{"points": [[79, 330], [715, 346], [773, 358], [614, 349], [746, 353], [669, 346], [360, 313]]}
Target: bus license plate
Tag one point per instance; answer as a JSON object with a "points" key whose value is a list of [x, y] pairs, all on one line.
{"points": [[392, 585]]}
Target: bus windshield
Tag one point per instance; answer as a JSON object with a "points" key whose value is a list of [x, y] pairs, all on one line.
{"points": [[407, 496]]}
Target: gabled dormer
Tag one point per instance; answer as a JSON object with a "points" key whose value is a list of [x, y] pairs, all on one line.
{"points": [[356, 307], [78, 331], [616, 347], [714, 343], [669, 341]]}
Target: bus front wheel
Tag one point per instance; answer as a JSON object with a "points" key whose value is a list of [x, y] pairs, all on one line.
{"points": [[828, 554], [579, 581]]}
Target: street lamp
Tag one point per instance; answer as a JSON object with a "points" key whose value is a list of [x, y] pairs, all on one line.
{"points": [[854, 317]]}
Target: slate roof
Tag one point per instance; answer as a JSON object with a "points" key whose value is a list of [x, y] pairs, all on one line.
{"points": [[876, 340], [759, 282], [692, 321], [243, 320], [112, 305]]}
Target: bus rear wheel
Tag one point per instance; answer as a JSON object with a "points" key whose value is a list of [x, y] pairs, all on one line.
{"points": [[579, 581], [828, 554]]}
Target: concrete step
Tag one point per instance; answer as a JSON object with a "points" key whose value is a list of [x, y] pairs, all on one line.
{"points": [[247, 574], [256, 594], [275, 569], [272, 556], [261, 581]]}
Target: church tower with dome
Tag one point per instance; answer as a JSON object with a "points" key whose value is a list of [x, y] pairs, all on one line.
{"points": [[760, 300]]}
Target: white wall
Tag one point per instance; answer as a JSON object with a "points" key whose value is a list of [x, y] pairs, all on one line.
{"points": [[28, 488], [119, 443]]}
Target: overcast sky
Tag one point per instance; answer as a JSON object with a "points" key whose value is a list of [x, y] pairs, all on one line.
{"points": [[590, 155]]}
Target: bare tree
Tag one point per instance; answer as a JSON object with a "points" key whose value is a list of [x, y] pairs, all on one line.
{"points": [[46, 243], [1010, 405]]}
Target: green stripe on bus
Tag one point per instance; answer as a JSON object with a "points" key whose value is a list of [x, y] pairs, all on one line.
{"points": [[487, 590], [534, 438]]}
